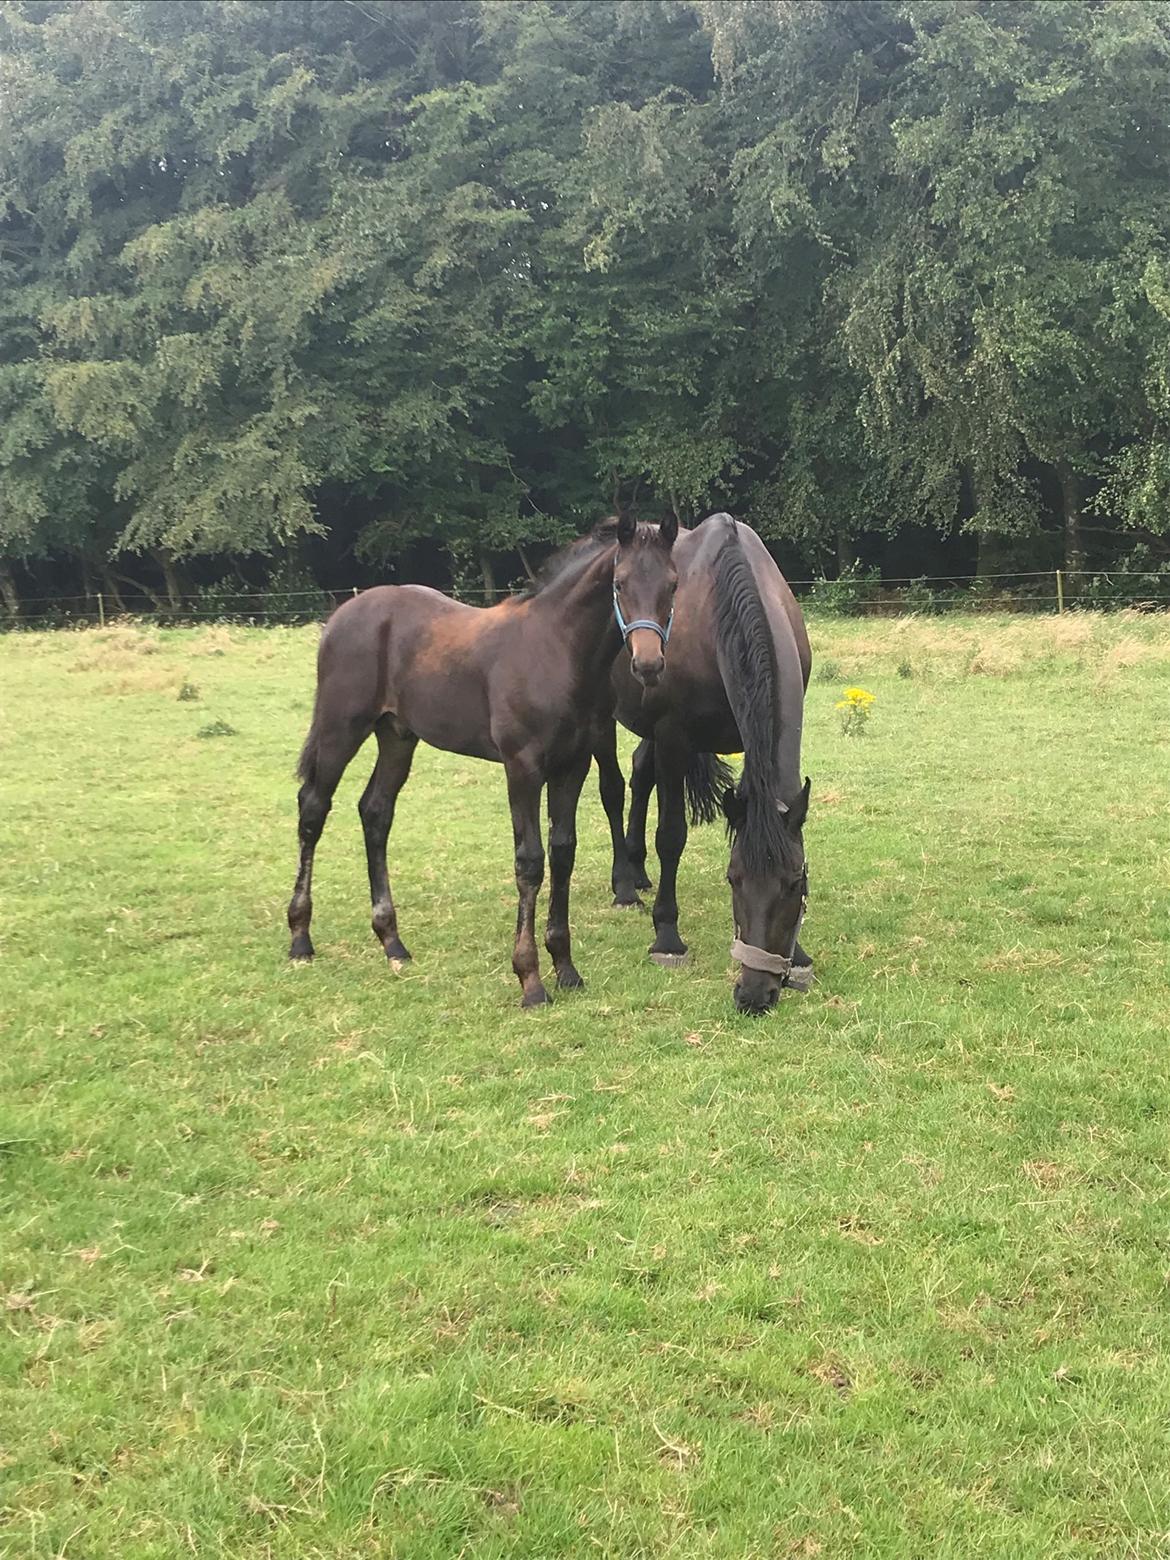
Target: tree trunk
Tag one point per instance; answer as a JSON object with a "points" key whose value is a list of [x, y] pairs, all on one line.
{"points": [[845, 552], [170, 575], [489, 578], [8, 591], [110, 587], [148, 591], [987, 557], [1070, 498]]}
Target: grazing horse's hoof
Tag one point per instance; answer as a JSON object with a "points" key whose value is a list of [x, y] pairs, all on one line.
{"points": [[535, 998], [632, 903], [642, 881], [570, 980], [800, 977], [670, 961], [301, 951]]}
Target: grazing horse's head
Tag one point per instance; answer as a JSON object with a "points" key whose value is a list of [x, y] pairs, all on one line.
{"points": [[769, 887], [644, 582]]}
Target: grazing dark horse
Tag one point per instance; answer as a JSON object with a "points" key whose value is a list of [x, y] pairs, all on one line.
{"points": [[521, 683], [739, 666]]}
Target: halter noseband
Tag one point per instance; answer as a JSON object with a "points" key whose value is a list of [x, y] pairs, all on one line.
{"points": [[628, 628], [773, 963]]}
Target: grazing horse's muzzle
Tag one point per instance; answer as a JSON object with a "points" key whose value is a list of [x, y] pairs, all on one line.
{"points": [[756, 996]]}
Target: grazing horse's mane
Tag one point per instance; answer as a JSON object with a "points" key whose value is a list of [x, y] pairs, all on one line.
{"points": [[748, 651]]}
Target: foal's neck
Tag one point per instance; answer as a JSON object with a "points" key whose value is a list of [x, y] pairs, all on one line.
{"points": [[581, 605]]}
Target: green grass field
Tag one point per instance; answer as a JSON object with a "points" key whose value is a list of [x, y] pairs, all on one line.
{"points": [[306, 1262]]}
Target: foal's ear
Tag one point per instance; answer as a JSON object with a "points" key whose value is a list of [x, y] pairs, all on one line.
{"points": [[734, 808], [798, 812], [668, 530], [627, 529]]}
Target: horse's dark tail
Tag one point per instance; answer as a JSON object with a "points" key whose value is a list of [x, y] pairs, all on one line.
{"points": [[707, 778]]}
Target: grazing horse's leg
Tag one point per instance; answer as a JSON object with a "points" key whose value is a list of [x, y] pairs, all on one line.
{"points": [[396, 748], [669, 842], [524, 788], [328, 751], [641, 785], [563, 795], [612, 786]]}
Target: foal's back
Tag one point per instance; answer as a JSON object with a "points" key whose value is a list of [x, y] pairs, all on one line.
{"points": [[413, 653]]}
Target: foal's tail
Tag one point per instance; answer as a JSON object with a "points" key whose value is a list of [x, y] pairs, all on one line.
{"points": [[307, 763], [707, 778]]}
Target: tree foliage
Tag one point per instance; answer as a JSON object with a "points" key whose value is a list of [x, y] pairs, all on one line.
{"points": [[390, 274]]}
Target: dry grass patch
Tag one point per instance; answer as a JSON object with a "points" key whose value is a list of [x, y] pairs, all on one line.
{"points": [[114, 648]]}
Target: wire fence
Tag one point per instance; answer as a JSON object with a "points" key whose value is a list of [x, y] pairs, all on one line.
{"points": [[851, 595]]}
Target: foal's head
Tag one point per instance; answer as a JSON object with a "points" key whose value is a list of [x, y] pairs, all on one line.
{"points": [[644, 582], [769, 886]]}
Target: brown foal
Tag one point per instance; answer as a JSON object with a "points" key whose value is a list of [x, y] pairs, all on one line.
{"points": [[524, 684]]}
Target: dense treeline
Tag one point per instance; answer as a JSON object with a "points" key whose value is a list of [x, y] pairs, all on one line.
{"points": [[353, 288]]}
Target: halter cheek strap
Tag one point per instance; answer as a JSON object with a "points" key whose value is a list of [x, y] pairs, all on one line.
{"points": [[628, 628]]}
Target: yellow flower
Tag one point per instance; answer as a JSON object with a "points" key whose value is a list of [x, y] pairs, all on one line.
{"points": [[854, 706]]}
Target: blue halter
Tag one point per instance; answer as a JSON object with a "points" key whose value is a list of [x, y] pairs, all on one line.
{"points": [[628, 628]]}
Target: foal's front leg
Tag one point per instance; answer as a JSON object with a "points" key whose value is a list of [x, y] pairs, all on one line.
{"points": [[524, 788], [563, 795]]}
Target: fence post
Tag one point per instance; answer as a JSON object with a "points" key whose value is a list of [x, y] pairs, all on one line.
{"points": [[1059, 592], [101, 610], [355, 590]]}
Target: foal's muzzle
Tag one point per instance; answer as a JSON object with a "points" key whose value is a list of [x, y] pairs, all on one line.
{"points": [[646, 664], [647, 669]]}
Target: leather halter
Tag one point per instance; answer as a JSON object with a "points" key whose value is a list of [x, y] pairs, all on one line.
{"points": [[760, 959]]}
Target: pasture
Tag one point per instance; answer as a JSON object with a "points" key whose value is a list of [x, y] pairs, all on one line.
{"points": [[325, 1262]]}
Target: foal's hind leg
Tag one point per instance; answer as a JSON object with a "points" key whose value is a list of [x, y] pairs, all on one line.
{"points": [[563, 795], [524, 788], [327, 753], [641, 785], [612, 787], [396, 748]]}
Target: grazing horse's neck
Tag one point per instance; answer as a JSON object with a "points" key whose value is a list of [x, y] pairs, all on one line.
{"points": [[761, 671]]}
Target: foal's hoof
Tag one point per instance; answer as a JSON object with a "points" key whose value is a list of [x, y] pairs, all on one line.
{"points": [[534, 998], [800, 977], [621, 902], [301, 951], [670, 961], [570, 980], [398, 957]]}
